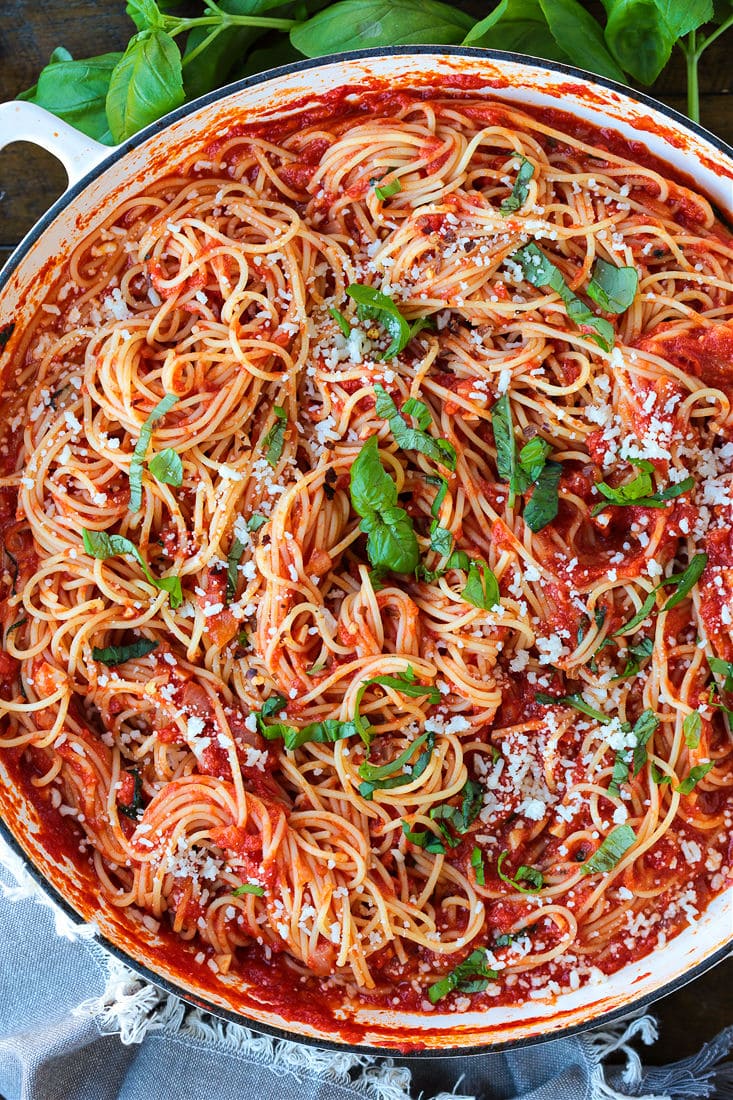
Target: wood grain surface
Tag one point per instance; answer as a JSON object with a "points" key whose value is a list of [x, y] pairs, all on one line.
{"points": [[31, 179]]}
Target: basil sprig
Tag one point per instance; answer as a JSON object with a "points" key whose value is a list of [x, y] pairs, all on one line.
{"points": [[540, 271], [531, 875], [640, 492], [613, 848], [275, 438], [471, 976], [141, 447], [102, 546], [526, 468], [117, 654], [520, 190], [684, 581], [391, 540], [414, 439]]}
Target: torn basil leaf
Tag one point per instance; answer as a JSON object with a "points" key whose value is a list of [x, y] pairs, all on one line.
{"points": [[520, 190], [613, 848], [117, 654]]}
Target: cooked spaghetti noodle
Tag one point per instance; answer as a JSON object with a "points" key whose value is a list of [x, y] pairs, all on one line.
{"points": [[330, 495]]}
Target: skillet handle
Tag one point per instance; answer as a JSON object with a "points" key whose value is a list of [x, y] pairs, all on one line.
{"points": [[21, 121]]}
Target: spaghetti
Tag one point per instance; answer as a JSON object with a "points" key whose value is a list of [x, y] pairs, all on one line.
{"points": [[368, 570]]}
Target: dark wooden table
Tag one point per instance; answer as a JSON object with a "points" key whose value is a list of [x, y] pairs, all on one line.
{"points": [[30, 179]]}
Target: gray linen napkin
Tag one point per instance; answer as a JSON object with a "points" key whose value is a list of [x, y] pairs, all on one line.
{"points": [[77, 1025]]}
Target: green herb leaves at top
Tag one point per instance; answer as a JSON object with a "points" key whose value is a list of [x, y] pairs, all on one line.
{"points": [[640, 492], [361, 24], [373, 305], [102, 546], [520, 190], [414, 439], [530, 875], [613, 848], [612, 288], [275, 438], [540, 271], [526, 468], [684, 583], [141, 448], [391, 540], [471, 976], [117, 654], [145, 84], [76, 91]]}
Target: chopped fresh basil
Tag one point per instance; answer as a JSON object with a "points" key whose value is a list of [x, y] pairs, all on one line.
{"points": [[141, 447], [639, 491], [722, 668], [482, 587], [520, 190], [102, 546], [613, 848], [688, 784], [275, 438], [691, 729], [477, 862], [167, 467], [248, 888], [405, 682], [118, 654], [659, 777], [132, 809], [460, 818], [14, 626], [471, 976], [530, 875], [340, 320], [315, 668], [637, 655], [256, 521], [233, 559], [414, 439], [543, 505], [391, 542], [612, 288], [387, 190], [529, 467], [424, 839], [371, 304], [540, 272], [382, 776], [635, 756], [325, 732], [575, 700], [685, 581]]}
